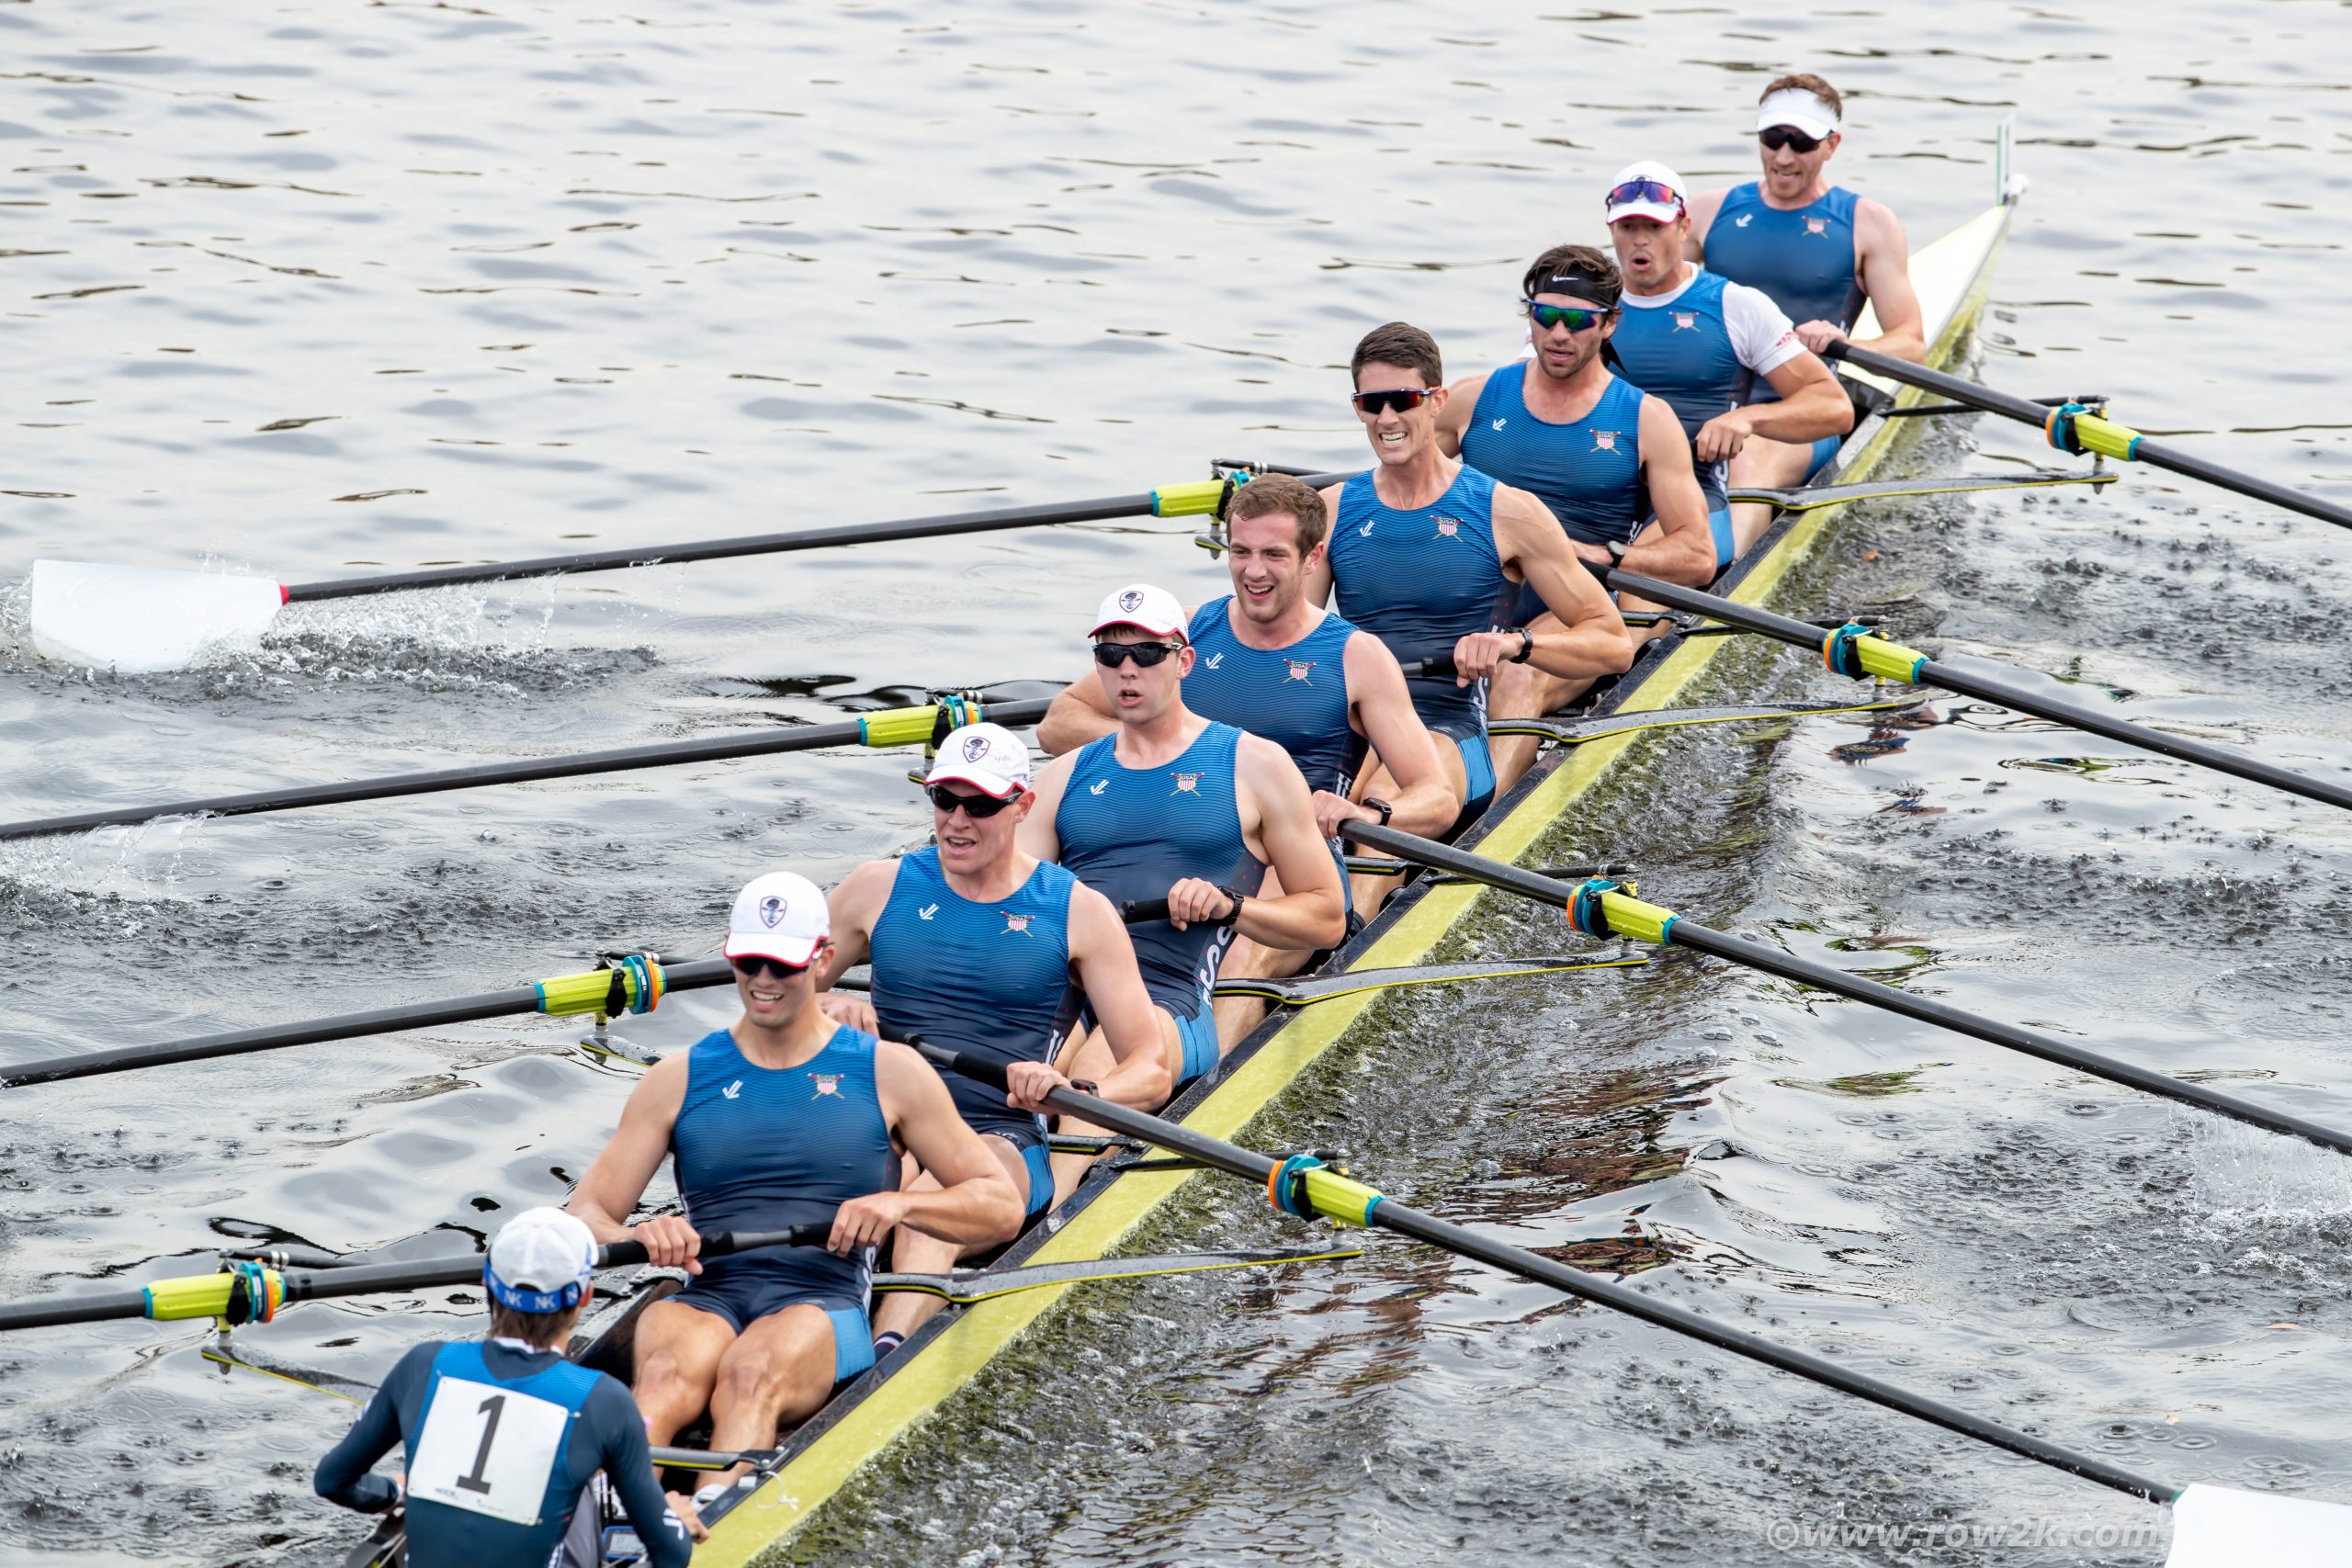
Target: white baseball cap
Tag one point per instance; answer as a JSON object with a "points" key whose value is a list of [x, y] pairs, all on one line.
{"points": [[541, 1261], [1141, 606], [989, 757], [1799, 109], [780, 916], [1650, 191]]}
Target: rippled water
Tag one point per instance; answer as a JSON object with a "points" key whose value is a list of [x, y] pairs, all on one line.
{"points": [[309, 289]]}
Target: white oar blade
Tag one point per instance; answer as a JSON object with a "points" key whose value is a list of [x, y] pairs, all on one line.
{"points": [[2216, 1528], [138, 620]]}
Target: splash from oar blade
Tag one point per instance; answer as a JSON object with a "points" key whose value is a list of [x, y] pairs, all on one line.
{"points": [[139, 620]]}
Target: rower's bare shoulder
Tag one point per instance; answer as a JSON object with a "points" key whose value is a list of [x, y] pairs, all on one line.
{"points": [[1878, 228], [1263, 764], [1703, 208]]}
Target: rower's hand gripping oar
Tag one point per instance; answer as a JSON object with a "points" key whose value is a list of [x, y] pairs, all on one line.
{"points": [[2078, 426], [1303, 1187], [1603, 908], [139, 620], [1851, 649], [251, 1292]]}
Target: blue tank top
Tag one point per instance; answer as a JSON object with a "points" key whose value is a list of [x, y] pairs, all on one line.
{"points": [[992, 979], [1804, 259], [1420, 581], [1682, 352], [1294, 696], [1588, 471], [1132, 833], [764, 1148]]}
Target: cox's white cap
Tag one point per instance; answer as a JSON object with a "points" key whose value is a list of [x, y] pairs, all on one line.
{"points": [[1795, 108], [989, 757], [1139, 604], [541, 1261], [780, 916], [1647, 189]]}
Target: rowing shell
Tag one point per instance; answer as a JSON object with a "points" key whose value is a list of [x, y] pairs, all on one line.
{"points": [[894, 1399]]}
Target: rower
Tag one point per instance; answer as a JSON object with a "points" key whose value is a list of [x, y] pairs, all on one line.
{"points": [[502, 1434], [1175, 806], [1699, 341], [1819, 250], [1455, 543], [981, 947], [1268, 660], [784, 1119]]}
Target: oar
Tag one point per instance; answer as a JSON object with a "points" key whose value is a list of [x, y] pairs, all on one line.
{"points": [[1806, 498], [890, 727], [1851, 651], [138, 620], [1604, 907], [635, 984], [1302, 1186], [253, 1293], [2080, 426]]}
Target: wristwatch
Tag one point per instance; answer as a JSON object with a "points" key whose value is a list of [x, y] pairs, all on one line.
{"points": [[1087, 1086], [1526, 648], [1386, 811], [1238, 898]]}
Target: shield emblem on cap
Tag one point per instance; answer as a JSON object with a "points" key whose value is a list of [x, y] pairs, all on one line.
{"points": [[770, 911], [975, 747], [1130, 600]]}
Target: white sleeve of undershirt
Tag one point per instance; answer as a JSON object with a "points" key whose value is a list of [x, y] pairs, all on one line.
{"points": [[1760, 331]]}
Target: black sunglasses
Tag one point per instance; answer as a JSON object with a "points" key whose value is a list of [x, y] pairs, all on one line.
{"points": [[1400, 398], [1778, 136], [753, 965], [1111, 655], [978, 807]]}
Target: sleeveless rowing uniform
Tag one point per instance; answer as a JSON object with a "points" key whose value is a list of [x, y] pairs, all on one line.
{"points": [[1588, 471], [1700, 347], [1421, 581], [1296, 696], [992, 978], [1132, 833], [764, 1148], [502, 1443], [1804, 259]]}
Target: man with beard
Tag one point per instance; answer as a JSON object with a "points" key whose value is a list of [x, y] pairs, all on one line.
{"points": [[1819, 250], [1702, 343], [1269, 661], [1610, 462]]}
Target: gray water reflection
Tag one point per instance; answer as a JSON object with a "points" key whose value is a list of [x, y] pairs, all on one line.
{"points": [[323, 289]]}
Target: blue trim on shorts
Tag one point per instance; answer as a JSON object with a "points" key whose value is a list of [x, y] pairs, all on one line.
{"points": [[1198, 1036], [1726, 546], [1039, 1159], [853, 1342], [1823, 450], [1479, 773]]}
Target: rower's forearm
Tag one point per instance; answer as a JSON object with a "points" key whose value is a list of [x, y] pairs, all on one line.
{"points": [[1426, 809], [1687, 557], [1584, 650], [1308, 920], [971, 1214], [1069, 724], [1140, 1082], [600, 1222], [1909, 344], [1808, 416]]}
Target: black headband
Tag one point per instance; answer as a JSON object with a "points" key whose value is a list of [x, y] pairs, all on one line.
{"points": [[1576, 280]]}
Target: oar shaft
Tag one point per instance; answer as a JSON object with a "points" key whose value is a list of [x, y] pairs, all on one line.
{"points": [[2008, 695], [692, 976], [2141, 448], [528, 769], [1389, 1214], [1682, 932]]}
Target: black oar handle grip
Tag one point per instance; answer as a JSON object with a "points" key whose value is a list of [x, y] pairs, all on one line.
{"points": [[1143, 911], [1431, 668], [719, 1243]]}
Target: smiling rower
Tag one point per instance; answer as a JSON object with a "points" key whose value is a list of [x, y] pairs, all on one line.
{"points": [[1818, 250], [1269, 661], [981, 946], [784, 1119], [1175, 806], [1700, 342]]}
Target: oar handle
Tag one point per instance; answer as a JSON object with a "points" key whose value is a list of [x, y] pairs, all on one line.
{"points": [[1143, 911]]}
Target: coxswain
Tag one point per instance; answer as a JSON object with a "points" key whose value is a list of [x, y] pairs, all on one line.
{"points": [[1268, 660], [981, 946], [503, 1435], [1425, 551], [1172, 804], [1820, 250], [1700, 342], [784, 1119]]}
